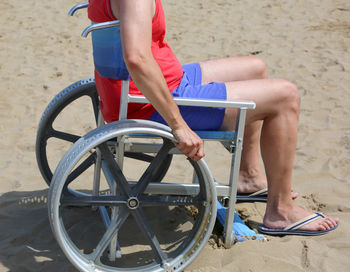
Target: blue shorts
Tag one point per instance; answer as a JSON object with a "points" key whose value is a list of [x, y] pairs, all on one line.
{"points": [[198, 118]]}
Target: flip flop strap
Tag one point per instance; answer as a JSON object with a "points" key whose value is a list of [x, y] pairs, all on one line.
{"points": [[304, 221], [259, 193]]}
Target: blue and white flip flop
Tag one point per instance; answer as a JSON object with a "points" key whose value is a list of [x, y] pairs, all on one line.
{"points": [[294, 229], [260, 196]]}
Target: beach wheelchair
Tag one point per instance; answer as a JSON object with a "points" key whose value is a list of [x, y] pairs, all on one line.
{"points": [[114, 203]]}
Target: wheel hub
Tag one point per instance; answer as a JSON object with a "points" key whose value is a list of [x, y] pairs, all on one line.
{"points": [[133, 203]]}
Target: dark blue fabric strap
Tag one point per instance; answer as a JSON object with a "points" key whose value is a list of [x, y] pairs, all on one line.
{"points": [[108, 53]]}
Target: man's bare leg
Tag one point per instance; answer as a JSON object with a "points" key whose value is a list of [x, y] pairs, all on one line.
{"points": [[278, 107], [277, 113], [251, 178]]}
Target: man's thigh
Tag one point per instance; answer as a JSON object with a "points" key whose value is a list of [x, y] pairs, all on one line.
{"points": [[233, 69]]}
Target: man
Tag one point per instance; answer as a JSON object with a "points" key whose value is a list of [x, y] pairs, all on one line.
{"points": [[155, 70]]}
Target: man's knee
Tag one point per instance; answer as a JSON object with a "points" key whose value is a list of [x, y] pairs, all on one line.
{"points": [[290, 96], [260, 67]]}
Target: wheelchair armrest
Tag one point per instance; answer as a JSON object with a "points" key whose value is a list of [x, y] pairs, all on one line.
{"points": [[76, 7], [199, 102], [97, 26]]}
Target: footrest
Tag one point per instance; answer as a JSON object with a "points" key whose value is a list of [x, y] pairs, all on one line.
{"points": [[241, 230]]}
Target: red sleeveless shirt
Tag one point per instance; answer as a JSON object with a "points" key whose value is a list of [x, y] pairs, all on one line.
{"points": [[110, 89]]}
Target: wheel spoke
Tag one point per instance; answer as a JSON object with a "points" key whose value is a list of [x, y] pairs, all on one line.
{"points": [[95, 104], [114, 168], [152, 170], [81, 168], [112, 230], [139, 156], [64, 136], [170, 200], [93, 200], [143, 224]]}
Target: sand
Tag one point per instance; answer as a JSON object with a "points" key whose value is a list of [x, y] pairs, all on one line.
{"points": [[306, 42]]}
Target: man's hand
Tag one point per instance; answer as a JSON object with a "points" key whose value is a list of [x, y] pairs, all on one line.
{"points": [[189, 143]]}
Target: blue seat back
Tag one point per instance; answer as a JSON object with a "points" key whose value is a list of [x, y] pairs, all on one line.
{"points": [[108, 53]]}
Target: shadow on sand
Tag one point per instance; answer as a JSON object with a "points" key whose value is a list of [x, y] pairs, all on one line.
{"points": [[27, 243]]}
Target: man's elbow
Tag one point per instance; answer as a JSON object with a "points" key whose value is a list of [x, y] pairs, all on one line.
{"points": [[136, 60]]}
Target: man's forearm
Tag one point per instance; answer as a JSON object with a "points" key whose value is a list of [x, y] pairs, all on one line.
{"points": [[150, 81]]}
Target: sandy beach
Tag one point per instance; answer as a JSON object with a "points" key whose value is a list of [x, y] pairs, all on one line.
{"points": [[306, 42]]}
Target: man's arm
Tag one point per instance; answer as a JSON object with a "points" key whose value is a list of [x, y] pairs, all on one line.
{"points": [[136, 35]]}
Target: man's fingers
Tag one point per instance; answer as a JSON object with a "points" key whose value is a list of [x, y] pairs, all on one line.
{"points": [[196, 158], [187, 150], [189, 143], [194, 153], [200, 152]]}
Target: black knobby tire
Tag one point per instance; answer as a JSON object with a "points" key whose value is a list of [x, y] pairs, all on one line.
{"points": [[77, 90]]}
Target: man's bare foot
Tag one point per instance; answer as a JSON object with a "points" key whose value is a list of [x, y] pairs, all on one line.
{"points": [[285, 216], [253, 181]]}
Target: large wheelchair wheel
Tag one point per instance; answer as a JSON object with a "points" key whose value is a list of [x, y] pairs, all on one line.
{"points": [[156, 226], [72, 113]]}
